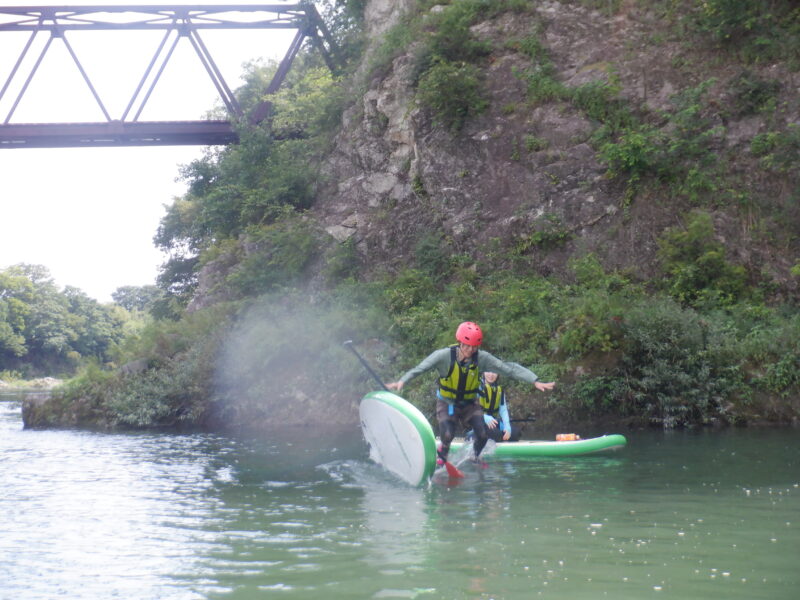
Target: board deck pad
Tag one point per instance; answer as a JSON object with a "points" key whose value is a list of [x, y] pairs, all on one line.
{"points": [[399, 436]]}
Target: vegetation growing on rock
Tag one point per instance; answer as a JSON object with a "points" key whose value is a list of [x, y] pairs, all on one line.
{"points": [[607, 187]]}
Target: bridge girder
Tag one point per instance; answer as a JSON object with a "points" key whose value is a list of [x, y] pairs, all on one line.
{"points": [[176, 22]]}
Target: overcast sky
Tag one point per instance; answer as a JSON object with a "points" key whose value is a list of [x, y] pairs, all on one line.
{"points": [[89, 214]]}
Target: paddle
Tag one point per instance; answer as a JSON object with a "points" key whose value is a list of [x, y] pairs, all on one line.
{"points": [[452, 470], [349, 345]]}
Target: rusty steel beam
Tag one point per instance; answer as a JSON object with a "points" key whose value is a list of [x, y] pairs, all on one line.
{"points": [[117, 133]]}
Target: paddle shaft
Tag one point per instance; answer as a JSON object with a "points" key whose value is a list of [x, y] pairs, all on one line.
{"points": [[349, 344]]}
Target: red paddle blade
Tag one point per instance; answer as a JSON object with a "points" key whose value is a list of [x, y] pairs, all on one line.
{"points": [[453, 470]]}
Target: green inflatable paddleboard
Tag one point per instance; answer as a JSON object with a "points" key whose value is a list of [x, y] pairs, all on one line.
{"points": [[399, 436], [526, 448]]}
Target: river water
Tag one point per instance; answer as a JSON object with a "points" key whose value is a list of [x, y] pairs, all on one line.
{"points": [[159, 516]]}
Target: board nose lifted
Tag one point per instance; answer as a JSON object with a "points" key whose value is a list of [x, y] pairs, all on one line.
{"points": [[399, 436]]}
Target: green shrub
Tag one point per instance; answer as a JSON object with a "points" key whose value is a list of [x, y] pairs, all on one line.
{"points": [[730, 20], [541, 83], [678, 368], [779, 150], [693, 127], [697, 271], [548, 233], [598, 394], [277, 255], [282, 357], [601, 102], [534, 143], [393, 43], [11, 377], [343, 262], [782, 377], [432, 255], [752, 94], [531, 45], [410, 288], [757, 30], [453, 91], [452, 39], [519, 314], [637, 152], [678, 153], [542, 86], [592, 310], [769, 342]]}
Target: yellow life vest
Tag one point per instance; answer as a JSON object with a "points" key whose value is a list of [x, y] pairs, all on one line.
{"points": [[490, 398], [462, 383]]}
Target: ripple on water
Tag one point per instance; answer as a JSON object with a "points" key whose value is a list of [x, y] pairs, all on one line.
{"points": [[89, 517]]}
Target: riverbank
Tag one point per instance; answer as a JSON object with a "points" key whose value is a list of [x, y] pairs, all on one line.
{"points": [[24, 385]]}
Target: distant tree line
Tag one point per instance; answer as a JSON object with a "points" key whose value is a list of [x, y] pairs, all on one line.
{"points": [[47, 331]]}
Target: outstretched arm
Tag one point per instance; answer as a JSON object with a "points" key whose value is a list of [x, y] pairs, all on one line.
{"points": [[438, 359], [489, 362]]}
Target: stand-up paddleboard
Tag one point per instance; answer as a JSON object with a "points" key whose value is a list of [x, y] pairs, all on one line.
{"points": [[399, 436], [526, 448]]}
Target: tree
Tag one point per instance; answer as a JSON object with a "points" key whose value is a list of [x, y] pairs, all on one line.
{"points": [[16, 291], [46, 330], [132, 297], [97, 328]]}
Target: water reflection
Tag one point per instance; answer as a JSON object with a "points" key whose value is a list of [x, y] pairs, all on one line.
{"points": [[147, 516], [122, 522], [396, 521]]}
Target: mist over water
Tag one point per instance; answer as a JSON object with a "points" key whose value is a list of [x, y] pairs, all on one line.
{"points": [[157, 516], [284, 364]]}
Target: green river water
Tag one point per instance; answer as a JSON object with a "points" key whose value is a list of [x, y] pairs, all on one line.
{"points": [[706, 514]]}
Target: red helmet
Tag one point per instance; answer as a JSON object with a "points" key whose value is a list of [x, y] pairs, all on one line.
{"points": [[469, 333]]}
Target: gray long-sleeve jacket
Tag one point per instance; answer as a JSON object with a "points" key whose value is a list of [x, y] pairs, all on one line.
{"points": [[440, 361]]}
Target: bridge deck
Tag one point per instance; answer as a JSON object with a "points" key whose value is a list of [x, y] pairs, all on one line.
{"points": [[117, 133]]}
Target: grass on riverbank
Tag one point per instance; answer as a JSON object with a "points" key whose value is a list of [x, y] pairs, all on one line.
{"points": [[11, 381]]}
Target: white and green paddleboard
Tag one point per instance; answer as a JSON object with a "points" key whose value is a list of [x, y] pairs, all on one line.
{"points": [[399, 436]]}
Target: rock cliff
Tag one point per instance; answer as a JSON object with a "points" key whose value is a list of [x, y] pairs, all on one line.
{"points": [[522, 167]]}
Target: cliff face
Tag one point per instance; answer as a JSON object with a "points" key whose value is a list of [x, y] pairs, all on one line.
{"points": [[524, 184], [521, 167]]}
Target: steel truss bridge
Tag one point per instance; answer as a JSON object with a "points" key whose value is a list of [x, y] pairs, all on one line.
{"points": [[177, 22]]}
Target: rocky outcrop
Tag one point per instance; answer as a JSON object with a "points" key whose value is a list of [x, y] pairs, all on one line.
{"points": [[519, 168]]}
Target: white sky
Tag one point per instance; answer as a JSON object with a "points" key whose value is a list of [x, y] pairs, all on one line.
{"points": [[89, 214]]}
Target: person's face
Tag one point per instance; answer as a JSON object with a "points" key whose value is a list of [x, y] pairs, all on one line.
{"points": [[490, 377], [467, 350]]}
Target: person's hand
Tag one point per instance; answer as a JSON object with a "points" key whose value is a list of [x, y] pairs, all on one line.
{"points": [[396, 385], [506, 435], [544, 387], [491, 423]]}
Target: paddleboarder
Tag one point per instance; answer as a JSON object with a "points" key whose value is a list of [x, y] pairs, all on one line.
{"points": [[459, 367], [492, 397]]}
